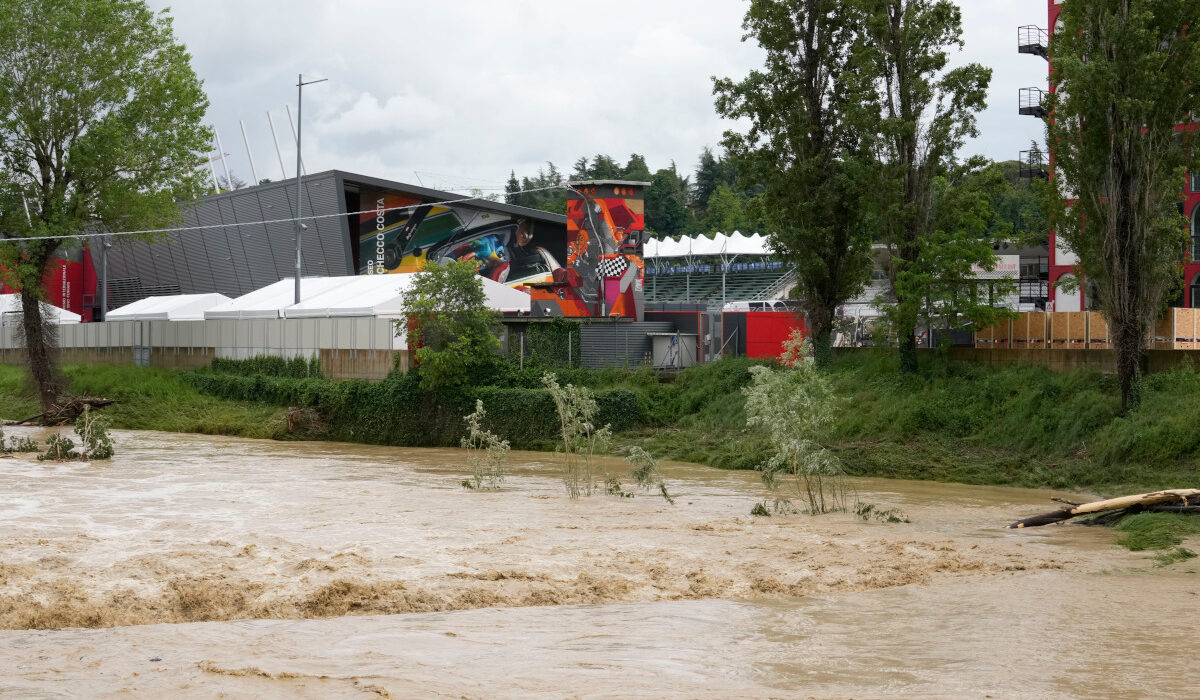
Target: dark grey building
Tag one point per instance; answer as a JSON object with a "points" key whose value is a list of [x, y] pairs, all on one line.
{"points": [[404, 226]]}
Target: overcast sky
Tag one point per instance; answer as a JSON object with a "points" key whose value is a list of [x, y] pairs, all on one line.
{"points": [[456, 93]]}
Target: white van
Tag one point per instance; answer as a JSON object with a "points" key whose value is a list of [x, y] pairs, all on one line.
{"points": [[764, 305]]}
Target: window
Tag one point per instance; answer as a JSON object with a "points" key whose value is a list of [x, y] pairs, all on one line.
{"points": [[1194, 292], [1196, 234]]}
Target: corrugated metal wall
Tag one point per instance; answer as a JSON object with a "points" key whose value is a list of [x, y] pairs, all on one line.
{"points": [[609, 344], [238, 339], [237, 259]]}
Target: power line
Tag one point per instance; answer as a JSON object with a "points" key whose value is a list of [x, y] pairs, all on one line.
{"points": [[207, 227]]}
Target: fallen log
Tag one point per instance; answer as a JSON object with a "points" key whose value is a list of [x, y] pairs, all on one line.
{"points": [[65, 410], [1181, 498]]}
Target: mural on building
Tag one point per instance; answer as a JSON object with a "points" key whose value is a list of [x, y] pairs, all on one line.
{"points": [[397, 233], [605, 272]]}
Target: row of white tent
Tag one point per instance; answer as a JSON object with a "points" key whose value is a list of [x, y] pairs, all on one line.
{"points": [[11, 312], [378, 296], [703, 246]]}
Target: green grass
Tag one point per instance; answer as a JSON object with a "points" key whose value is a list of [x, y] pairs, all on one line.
{"points": [[1156, 531], [149, 399], [1017, 425]]}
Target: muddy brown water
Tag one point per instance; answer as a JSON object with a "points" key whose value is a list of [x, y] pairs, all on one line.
{"points": [[260, 569]]}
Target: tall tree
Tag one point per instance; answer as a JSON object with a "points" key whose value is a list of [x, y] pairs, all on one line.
{"points": [[100, 126], [1124, 77], [725, 212], [448, 323], [666, 204], [805, 144], [964, 225], [711, 172], [924, 114], [636, 169]]}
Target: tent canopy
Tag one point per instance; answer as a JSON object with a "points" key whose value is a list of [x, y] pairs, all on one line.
{"points": [[699, 246], [10, 307], [177, 307], [380, 296], [271, 300]]}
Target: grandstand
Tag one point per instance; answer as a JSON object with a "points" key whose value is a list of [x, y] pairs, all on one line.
{"points": [[715, 270]]}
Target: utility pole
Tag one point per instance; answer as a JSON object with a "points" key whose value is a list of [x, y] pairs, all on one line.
{"points": [[299, 188]]}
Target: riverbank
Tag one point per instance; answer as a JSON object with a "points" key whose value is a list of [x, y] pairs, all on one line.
{"points": [[1018, 426]]}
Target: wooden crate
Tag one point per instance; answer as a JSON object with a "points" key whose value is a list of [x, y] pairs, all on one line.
{"points": [[997, 337], [1185, 329], [1097, 332], [1068, 330], [1029, 331]]}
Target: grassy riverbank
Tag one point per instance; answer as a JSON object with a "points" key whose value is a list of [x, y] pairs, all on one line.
{"points": [[1018, 426]]}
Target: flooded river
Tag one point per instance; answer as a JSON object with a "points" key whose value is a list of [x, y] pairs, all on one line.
{"points": [[262, 569]]}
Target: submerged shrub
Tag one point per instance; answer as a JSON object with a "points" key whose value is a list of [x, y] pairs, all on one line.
{"points": [[487, 453], [93, 435], [581, 438], [796, 408]]}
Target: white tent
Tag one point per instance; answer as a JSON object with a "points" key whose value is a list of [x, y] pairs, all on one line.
{"points": [[178, 307], [701, 246], [271, 300], [382, 296], [10, 311], [379, 296]]}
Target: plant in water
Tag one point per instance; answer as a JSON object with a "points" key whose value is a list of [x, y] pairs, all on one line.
{"points": [[93, 435], [487, 453], [796, 408], [645, 473], [59, 448], [22, 444], [581, 438], [870, 511]]}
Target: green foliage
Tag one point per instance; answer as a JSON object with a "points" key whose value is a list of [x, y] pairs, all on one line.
{"points": [[487, 453], [1174, 556], [94, 439], [446, 314], [22, 444], [397, 411], [870, 511], [550, 200], [552, 344], [938, 287], [1156, 531], [924, 113], [1125, 77], [270, 366], [101, 125], [581, 436], [796, 408], [809, 144], [59, 448], [645, 473], [667, 211]]}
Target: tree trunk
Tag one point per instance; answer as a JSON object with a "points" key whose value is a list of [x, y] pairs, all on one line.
{"points": [[821, 322], [41, 350], [1130, 343], [908, 350]]}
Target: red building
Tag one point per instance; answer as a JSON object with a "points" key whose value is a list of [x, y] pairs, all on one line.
{"points": [[69, 284], [1037, 41]]}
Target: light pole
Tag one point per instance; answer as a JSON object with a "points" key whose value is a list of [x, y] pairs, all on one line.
{"points": [[299, 189]]}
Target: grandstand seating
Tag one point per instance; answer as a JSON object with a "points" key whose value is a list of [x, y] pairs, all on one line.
{"points": [[706, 286]]}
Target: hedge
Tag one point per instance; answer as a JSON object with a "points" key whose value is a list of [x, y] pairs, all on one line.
{"points": [[396, 411]]}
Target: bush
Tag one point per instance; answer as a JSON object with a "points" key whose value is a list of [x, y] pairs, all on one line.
{"points": [[397, 411], [270, 366]]}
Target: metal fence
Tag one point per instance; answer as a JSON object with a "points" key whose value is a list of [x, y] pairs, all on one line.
{"points": [[234, 339]]}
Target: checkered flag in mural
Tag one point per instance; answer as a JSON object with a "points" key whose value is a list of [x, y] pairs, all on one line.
{"points": [[612, 267]]}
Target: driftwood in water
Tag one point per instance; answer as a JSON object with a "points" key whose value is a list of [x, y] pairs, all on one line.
{"points": [[65, 410], [1170, 501]]}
